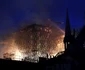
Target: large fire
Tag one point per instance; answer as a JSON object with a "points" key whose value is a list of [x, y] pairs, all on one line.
{"points": [[12, 51], [34, 41]]}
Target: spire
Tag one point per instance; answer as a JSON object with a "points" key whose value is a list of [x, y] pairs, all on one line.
{"points": [[68, 36], [67, 28]]}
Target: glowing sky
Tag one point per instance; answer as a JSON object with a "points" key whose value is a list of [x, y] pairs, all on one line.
{"points": [[13, 12]]}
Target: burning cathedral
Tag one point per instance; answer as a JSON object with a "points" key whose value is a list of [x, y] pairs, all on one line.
{"points": [[45, 40], [36, 40]]}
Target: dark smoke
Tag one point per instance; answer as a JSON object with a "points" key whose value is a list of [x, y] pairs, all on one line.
{"points": [[39, 37]]}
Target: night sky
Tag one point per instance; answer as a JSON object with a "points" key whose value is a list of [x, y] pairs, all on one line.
{"points": [[14, 12]]}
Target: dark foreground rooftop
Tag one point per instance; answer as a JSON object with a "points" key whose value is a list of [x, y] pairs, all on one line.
{"points": [[60, 63]]}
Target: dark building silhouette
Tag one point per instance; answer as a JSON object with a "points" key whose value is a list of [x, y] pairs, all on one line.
{"points": [[74, 45], [69, 38]]}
